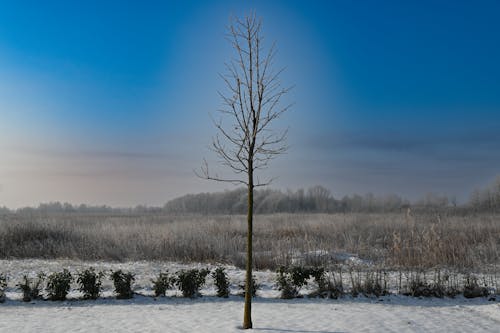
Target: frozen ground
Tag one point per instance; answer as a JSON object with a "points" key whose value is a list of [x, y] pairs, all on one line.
{"points": [[211, 314]]}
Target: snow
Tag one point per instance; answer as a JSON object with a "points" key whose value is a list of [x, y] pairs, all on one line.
{"points": [[300, 258], [211, 314]]}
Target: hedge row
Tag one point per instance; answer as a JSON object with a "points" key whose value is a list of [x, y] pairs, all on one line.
{"points": [[58, 285], [289, 280]]}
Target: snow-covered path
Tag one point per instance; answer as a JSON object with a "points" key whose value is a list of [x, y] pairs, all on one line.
{"points": [[210, 314]]}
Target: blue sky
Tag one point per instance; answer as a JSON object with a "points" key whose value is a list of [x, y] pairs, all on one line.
{"points": [[108, 102]]}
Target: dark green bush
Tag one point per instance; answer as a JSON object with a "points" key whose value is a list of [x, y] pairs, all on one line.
{"points": [[221, 282], [190, 281], [472, 288], [330, 285], [291, 279], [3, 285], [285, 285], [163, 282], [31, 288], [123, 284], [58, 285], [319, 275], [253, 287], [90, 283]]}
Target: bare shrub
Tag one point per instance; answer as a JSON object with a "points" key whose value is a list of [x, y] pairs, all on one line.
{"points": [[369, 283], [31, 288]]}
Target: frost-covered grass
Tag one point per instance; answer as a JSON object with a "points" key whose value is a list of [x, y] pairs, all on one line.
{"points": [[426, 240]]}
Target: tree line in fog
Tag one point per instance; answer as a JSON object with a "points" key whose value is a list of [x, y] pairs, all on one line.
{"points": [[316, 199]]}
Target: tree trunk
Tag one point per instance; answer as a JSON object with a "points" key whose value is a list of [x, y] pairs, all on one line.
{"points": [[247, 316]]}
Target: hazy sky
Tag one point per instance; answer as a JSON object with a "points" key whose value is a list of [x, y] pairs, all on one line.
{"points": [[107, 102]]}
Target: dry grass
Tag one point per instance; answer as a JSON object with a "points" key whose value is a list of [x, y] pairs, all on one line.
{"points": [[390, 240]]}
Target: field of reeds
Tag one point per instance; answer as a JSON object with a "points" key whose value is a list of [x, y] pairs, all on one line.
{"points": [[462, 242]]}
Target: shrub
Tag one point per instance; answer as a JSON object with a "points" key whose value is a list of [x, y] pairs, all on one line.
{"points": [[123, 284], [58, 285], [31, 287], [419, 286], [190, 281], [90, 283], [163, 282], [3, 285], [472, 288], [376, 284], [291, 279], [221, 282], [319, 275], [253, 287], [285, 285], [329, 284], [373, 284]]}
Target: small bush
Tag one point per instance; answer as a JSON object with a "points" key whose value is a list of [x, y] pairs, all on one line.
{"points": [[291, 279], [31, 288], [330, 285], [58, 285], [376, 284], [285, 285], [163, 282], [419, 286], [254, 287], [221, 282], [373, 284], [123, 284], [472, 288], [190, 281], [3, 285], [90, 283], [319, 275]]}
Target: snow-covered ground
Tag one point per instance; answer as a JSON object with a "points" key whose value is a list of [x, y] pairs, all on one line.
{"points": [[211, 314]]}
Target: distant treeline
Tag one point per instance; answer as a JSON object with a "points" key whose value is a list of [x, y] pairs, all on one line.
{"points": [[316, 199], [487, 198]]}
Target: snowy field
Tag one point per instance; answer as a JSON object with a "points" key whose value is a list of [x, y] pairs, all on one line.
{"points": [[211, 314]]}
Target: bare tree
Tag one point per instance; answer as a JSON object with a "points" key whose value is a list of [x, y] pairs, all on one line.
{"points": [[246, 140]]}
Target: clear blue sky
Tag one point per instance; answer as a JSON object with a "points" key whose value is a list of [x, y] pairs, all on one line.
{"points": [[108, 101]]}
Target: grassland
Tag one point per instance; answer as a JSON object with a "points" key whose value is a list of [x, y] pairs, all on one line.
{"points": [[390, 240]]}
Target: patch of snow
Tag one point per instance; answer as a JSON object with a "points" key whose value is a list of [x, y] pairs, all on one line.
{"points": [[300, 258]]}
